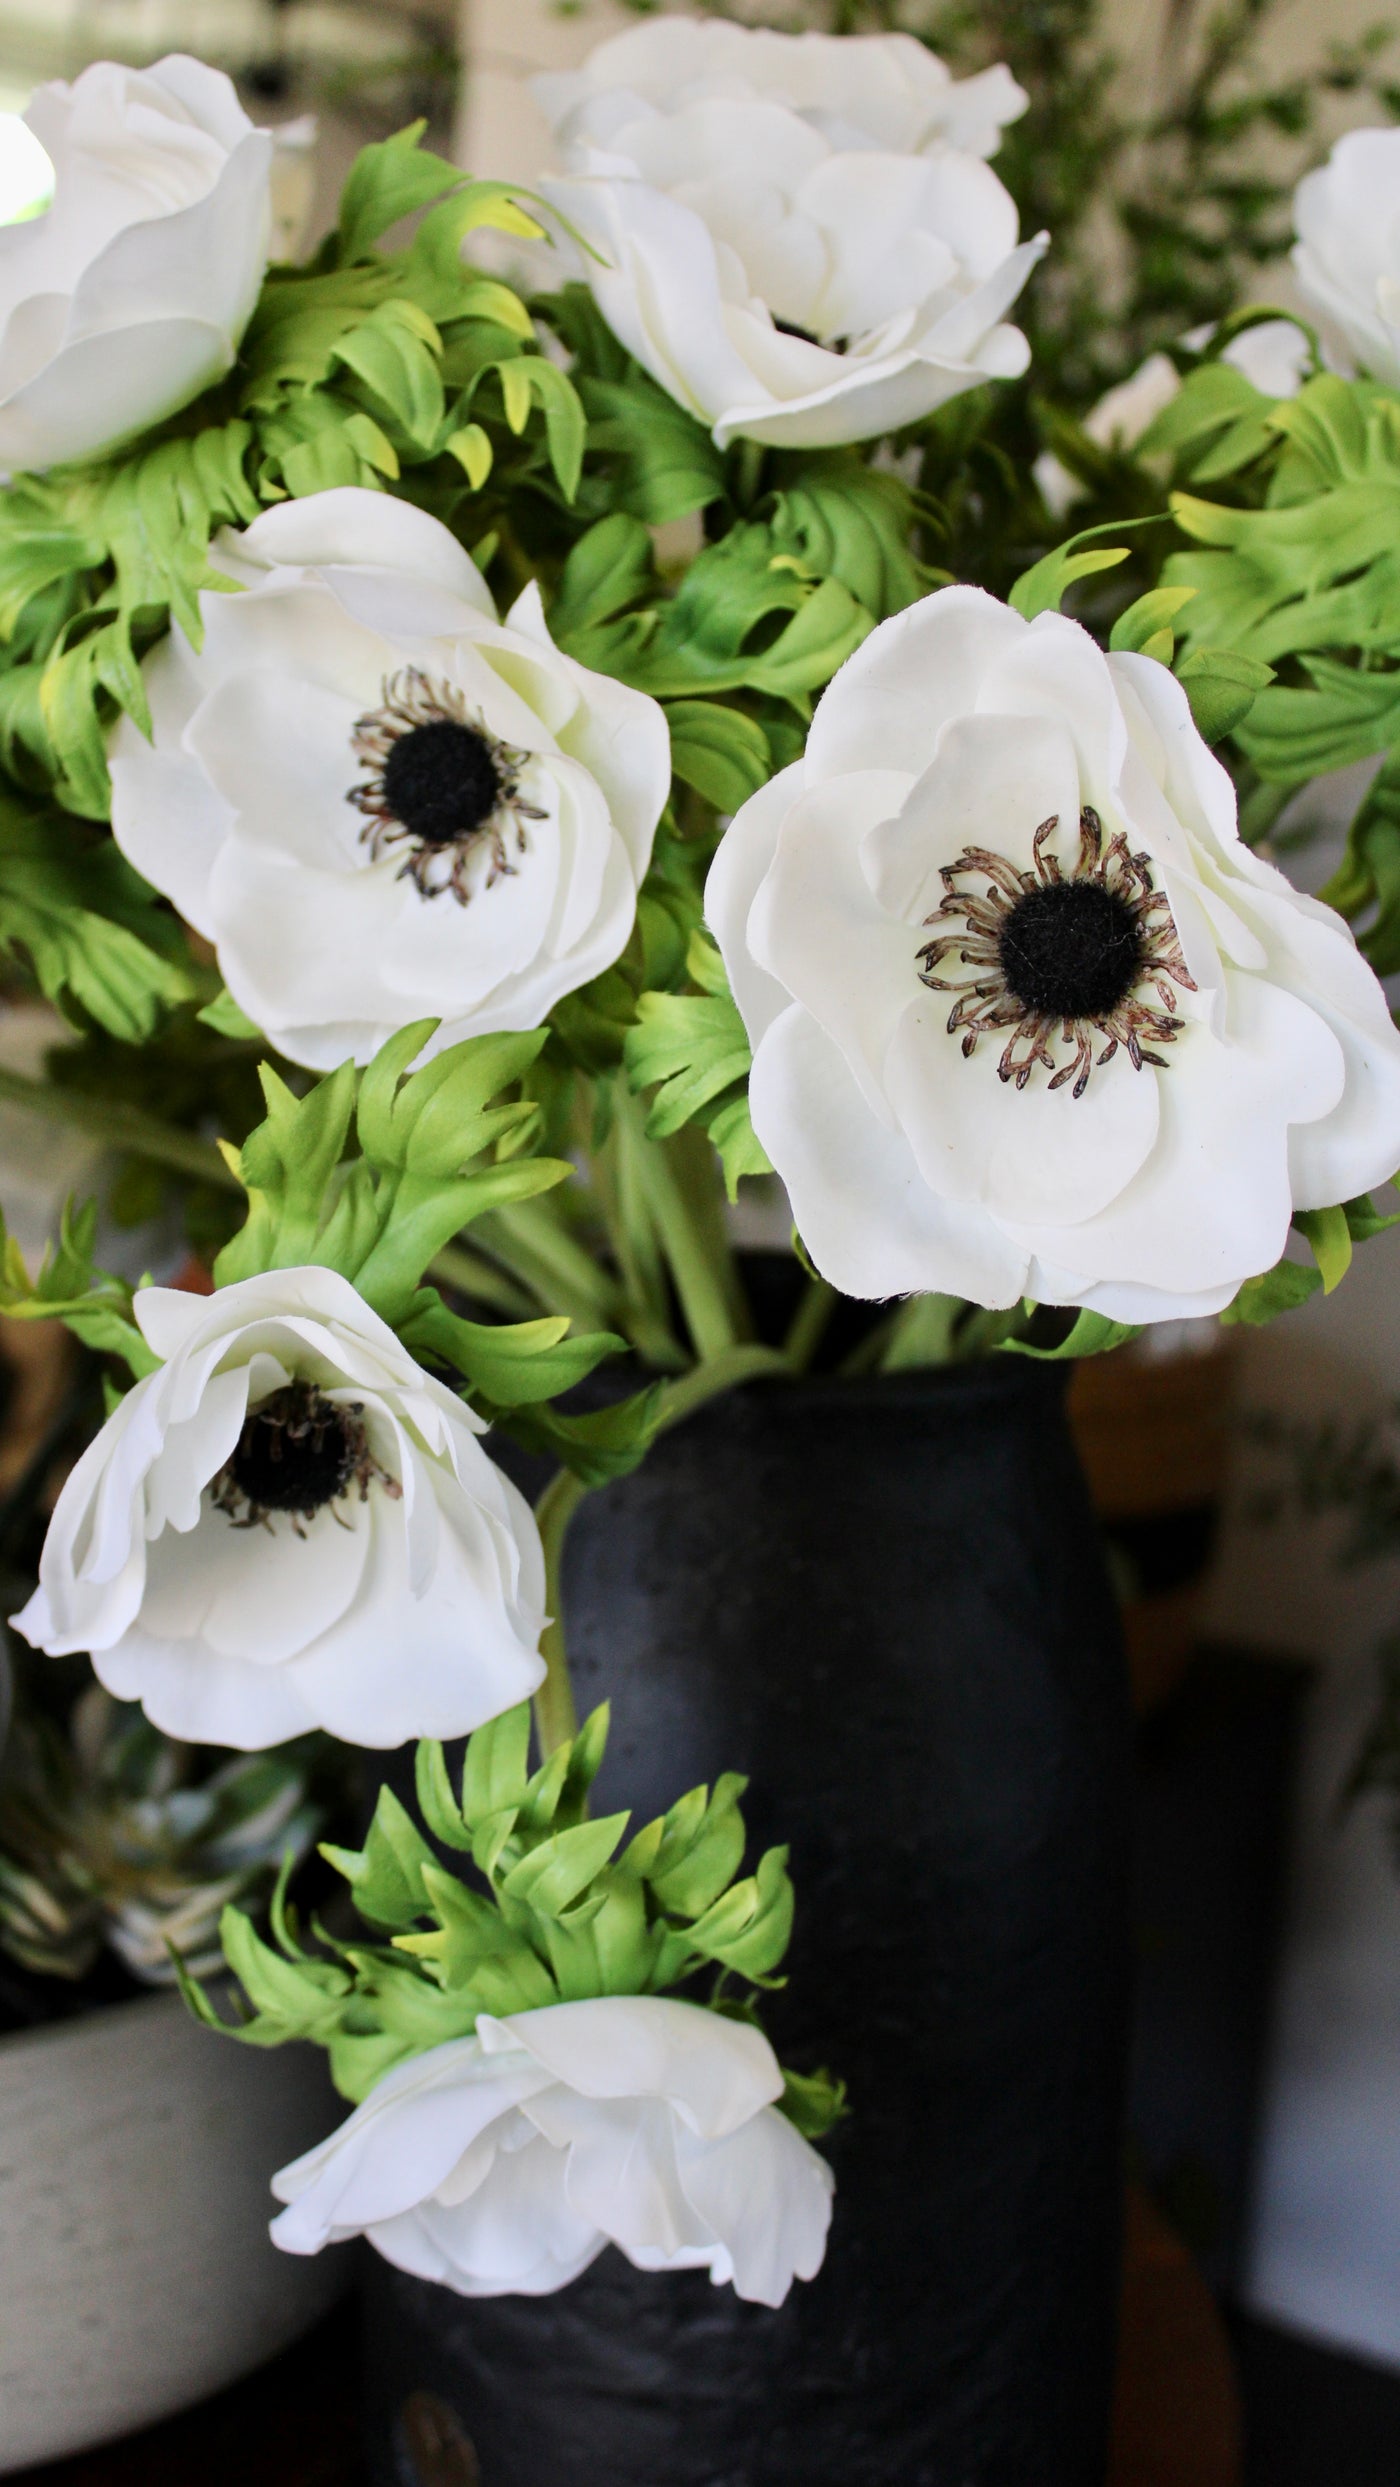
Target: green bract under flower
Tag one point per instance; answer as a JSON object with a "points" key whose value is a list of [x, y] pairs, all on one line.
{"points": [[557, 1909]]}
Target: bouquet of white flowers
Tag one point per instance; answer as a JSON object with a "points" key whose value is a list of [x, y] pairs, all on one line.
{"points": [[360, 727]]}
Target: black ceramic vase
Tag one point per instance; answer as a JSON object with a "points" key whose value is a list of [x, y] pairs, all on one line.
{"points": [[885, 1602]]}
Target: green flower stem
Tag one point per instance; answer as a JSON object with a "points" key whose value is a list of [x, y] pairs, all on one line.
{"points": [[123, 1127], [743, 1362], [700, 1282], [539, 1251], [556, 1714], [748, 473], [809, 1324]]}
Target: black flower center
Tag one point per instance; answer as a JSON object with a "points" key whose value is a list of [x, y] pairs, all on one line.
{"points": [[297, 1451], [441, 781], [1071, 950]]}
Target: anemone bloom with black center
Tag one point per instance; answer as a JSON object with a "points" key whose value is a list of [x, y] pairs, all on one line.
{"points": [[442, 784], [297, 1452], [1060, 957]]}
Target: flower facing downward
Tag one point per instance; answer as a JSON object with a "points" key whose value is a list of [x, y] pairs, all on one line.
{"points": [[377, 801], [289, 1525], [1027, 1016], [1347, 256], [503, 2163], [796, 236], [131, 293]]}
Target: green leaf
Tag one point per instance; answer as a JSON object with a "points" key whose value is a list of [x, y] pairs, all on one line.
{"points": [[436, 1802], [386, 1875], [395, 353], [1329, 1233], [555, 1873], [719, 751], [1042, 588], [226, 1019], [813, 2102], [387, 181], [608, 569], [494, 1774], [694, 1051], [606, 1443], [513, 1364], [87, 924], [1222, 689], [1146, 627], [750, 1926], [845, 520], [1089, 1334], [1276, 1291], [70, 1288], [662, 463]]}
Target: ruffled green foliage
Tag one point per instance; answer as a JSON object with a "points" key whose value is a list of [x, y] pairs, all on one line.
{"points": [[545, 1906], [373, 1172], [1308, 583], [94, 937], [69, 1287], [693, 1051], [364, 368]]}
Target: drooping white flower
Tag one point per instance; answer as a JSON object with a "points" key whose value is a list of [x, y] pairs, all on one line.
{"points": [[131, 292], [1273, 356], [1028, 1018], [378, 802], [797, 236], [502, 2164], [290, 1525], [1347, 255]]}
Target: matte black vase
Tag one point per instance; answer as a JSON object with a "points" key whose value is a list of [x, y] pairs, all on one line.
{"points": [[885, 1602]]}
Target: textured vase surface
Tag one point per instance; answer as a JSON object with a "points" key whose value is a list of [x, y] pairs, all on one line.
{"points": [[885, 1601]]}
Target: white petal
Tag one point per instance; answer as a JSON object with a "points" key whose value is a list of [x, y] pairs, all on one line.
{"points": [[349, 528], [820, 931], [917, 671], [864, 1212], [1212, 1204], [714, 2071], [766, 2194], [1024, 1155], [741, 861]]}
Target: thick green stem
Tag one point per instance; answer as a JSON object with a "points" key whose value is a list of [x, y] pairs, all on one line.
{"points": [[556, 1718], [809, 1324], [748, 473], [699, 1280]]}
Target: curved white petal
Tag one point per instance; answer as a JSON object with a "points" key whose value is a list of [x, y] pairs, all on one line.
{"points": [[412, 1608]]}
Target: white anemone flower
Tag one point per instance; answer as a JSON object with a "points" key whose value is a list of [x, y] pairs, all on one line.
{"points": [[878, 90], [503, 2163], [131, 292], [378, 802], [290, 1525], [797, 236], [1028, 1017], [1347, 255]]}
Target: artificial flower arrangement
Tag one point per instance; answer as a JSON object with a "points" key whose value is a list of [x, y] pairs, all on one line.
{"points": [[359, 726]]}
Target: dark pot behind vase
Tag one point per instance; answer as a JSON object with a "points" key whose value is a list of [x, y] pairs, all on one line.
{"points": [[885, 1602]]}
